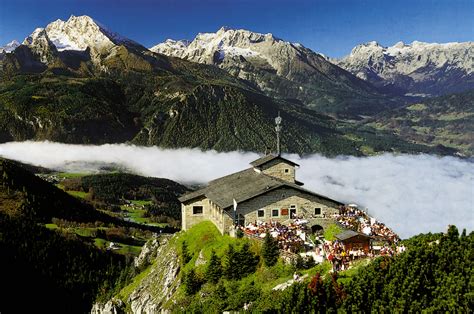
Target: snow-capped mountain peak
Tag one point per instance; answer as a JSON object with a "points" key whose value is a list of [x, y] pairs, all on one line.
{"points": [[9, 47], [225, 43], [276, 66], [411, 67], [33, 36], [82, 34], [79, 33]]}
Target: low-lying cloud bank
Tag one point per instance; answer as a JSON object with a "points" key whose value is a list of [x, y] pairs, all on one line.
{"points": [[410, 193]]}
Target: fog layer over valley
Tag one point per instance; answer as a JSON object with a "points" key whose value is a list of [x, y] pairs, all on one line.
{"points": [[410, 193]]}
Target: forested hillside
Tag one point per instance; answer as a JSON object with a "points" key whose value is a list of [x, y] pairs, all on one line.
{"points": [[436, 274], [149, 199], [58, 266], [211, 273]]}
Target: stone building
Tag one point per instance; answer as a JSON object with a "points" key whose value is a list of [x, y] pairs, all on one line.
{"points": [[267, 191]]}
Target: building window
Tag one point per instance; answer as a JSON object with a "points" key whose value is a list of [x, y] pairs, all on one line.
{"points": [[197, 210], [287, 170], [317, 211], [261, 213], [241, 220], [275, 212], [292, 211]]}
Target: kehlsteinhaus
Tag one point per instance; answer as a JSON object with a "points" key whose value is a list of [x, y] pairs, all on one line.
{"points": [[267, 191]]}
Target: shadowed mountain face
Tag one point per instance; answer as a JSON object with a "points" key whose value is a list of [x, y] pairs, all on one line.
{"points": [[416, 69]]}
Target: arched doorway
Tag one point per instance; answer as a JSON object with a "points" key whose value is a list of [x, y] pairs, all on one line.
{"points": [[317, 229]]}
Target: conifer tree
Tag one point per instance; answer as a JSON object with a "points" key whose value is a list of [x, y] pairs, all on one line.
{"points": [[191, 282], [214, 268], [298, 262], [186, 257], [229, 266], [270, 251], [246, 260], [309, 262]]}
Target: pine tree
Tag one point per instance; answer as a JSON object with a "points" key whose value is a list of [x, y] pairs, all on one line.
{"points": [[239, 233], [191, 282], [246, 260], [270, 251], [229, 267], [214, 268], [185, 253]]}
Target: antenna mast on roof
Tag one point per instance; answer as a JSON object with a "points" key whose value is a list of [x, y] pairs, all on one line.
{"points": [[278, 129]]}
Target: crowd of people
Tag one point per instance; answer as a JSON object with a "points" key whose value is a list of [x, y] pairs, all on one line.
{"points": [[340, 257], [291, 237], [356, 219]]}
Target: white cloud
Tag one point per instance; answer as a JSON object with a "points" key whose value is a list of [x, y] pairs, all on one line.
{"points": [[410, 193]]}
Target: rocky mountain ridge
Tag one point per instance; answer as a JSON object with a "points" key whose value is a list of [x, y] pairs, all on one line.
{"points": [[80, 44], [9, 47], [279, 68], [419, 68], [75, 81]]}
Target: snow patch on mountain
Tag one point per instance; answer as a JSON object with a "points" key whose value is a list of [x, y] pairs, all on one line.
{"points": [[79, 33], [414, 67], [226, 46], [210, 47], [9, 47]]}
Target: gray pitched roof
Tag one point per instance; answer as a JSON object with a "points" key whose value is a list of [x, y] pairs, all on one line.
{"points": [[347, 234], [242, 186], [265, 159]]}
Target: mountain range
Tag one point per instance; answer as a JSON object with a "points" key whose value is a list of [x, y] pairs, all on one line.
{"points": [[278, 68], [424, 69], [76, 81]]}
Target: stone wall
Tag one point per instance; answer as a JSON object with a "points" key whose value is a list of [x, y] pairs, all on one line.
{"points": [[188, 218], [276, 168], [211, 212], [282, 200]]}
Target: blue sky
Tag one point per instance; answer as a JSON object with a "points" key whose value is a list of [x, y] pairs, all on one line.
{"points": [[331, 27]]}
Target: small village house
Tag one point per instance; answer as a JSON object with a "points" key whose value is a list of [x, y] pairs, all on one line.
{"points": [[354, 241]]}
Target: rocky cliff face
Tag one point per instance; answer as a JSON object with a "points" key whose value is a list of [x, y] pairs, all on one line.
{"points": [[277, 67], [78, 42], [416, 68], [82, 32], [155, 289], [158, 287]]}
